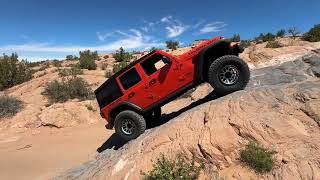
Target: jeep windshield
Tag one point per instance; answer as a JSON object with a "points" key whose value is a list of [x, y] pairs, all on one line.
{"points": [[108, 92]]}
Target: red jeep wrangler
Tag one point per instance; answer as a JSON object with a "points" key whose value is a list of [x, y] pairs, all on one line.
{"points": [[137, 92]]}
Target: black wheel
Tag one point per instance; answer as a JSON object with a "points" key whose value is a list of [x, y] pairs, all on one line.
{"points": [[228, 74], [129, 125]]}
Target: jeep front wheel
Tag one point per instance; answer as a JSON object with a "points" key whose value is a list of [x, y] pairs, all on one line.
{"points": [[129, 125], [228, 74]]}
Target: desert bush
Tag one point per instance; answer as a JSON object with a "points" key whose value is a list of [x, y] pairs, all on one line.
{"points": [[87, 59], [9, 106], [34, 64], [153, 48], [13, 71], [313, 35], [257, 157], [281, 33], [173, 45], [235, 38], [71, 58], [108, 74], [273, 44], [188, 94], [90, 107], [57, 63], [265, 37], [104, 66], [179, 168], [117, 67], [245, 43], [68, 88], [294, 32], [121, 55], [73, 71], [106, 56], [44, 65]]}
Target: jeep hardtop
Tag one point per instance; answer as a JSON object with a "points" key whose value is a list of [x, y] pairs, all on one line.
{"points": [[135, 94]]}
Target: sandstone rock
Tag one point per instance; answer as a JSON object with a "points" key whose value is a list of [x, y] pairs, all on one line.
{"points": [[278, 109], [67, 114]]}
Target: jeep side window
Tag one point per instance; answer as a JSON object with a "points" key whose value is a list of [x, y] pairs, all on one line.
{"points": [[130, 78], [153, 64]]}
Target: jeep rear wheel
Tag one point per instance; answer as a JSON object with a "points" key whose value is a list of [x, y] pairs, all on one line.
{"points": [[228, 74], [129, 125]]}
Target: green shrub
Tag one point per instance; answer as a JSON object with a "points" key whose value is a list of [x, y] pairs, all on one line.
{"points": [[235, 38], [188, 94], [273, 44], [108, 74], [173, 45], [71, 58], [117, 67], [245, 43], [44, 65], [281, 33], [153, 48], [121, 55], [13, 71], [294, 32], [87, 60], [104, 66], [265, 37], [69, 88], [34, 64], [176, 169], [73, 71], [257, 157], [57, 63], [313, 35], [90, 107], [268, 37], [9, 106]]}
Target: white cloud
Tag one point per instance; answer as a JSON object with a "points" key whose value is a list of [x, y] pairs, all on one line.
{"points": [[198, 24], [40, 58], [212, 27], [174, 26], [132, 40], [166, 19], [174, 31], [146, 29], [103, 36]]}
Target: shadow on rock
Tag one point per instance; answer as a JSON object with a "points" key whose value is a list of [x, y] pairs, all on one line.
{"points": [[114, 142], [167, 117]]}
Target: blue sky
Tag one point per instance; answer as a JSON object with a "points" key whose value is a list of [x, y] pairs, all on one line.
{"points": [[41, 29]]}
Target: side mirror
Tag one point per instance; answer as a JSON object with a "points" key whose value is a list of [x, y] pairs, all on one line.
{"points": [[166, 60]]}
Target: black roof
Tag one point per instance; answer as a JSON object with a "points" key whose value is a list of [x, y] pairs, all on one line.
{"points": [[123, 70]]}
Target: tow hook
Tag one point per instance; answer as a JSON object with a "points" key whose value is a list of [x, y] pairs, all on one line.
{"points": [[109, 126]]}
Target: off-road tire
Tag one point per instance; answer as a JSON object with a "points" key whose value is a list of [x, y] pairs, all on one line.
{"points": [[216, 67], [138, 121]]}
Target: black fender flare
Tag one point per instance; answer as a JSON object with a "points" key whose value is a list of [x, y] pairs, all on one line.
{"points": [[125, 105], [199, 60]]}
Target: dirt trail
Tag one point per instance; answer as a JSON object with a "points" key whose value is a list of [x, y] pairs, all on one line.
{"points": [[46, 152]]}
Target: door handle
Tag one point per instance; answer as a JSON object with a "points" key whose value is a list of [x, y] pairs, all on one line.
{"points": [[150, 83], [182, 78], [176, 67], [150, 96], [131, 95]]}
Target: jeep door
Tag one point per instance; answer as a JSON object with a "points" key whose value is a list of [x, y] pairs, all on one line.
{"points": [[163, 76]]}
